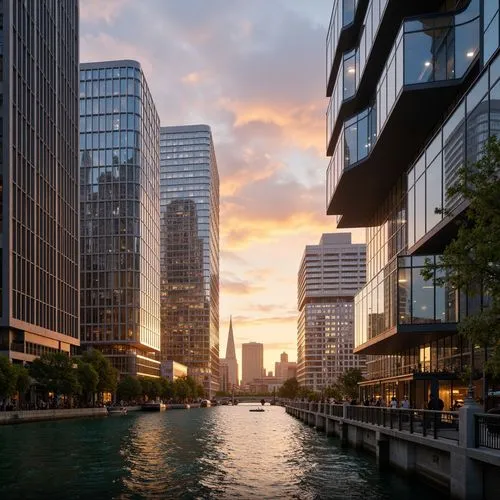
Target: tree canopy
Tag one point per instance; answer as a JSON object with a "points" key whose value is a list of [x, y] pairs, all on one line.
{"points": [[289, 389], [107, 374], [471, 261], [56, 372]]}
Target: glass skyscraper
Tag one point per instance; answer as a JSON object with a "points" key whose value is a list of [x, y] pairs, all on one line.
{"points": [[392, 166], [189, 200], [39, 273], [120, 219]]}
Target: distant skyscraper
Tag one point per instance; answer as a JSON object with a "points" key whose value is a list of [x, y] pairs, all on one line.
{"points": [[190, 251], [330, 275], [120, 219], [284, 369], [231, 361], [39, 208], [253, 362]]}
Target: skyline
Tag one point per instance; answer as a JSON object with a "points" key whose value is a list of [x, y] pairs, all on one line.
{"points": [[255, 73]]}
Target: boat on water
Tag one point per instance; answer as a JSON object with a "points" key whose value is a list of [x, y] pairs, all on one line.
{"points": [[205, 403], [117, 410], [260, 410], [153, 406]]}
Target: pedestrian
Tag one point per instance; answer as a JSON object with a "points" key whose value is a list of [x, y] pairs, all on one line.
{"points": [[394, 402], [405, 403]]}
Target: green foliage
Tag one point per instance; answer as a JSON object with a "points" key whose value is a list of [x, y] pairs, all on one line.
{"points": [[334, 391], [88, 377], [22, 377], [107, 374], [128, 388], [471, 262], [151, 388], [7, 378], [289, 389], [349, 383], [55, 371]]}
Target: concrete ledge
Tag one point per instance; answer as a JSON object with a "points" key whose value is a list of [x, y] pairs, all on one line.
{"points": [[19, 417]]}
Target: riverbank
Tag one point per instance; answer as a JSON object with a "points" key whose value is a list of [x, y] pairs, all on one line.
{"points": [[19, 417]]}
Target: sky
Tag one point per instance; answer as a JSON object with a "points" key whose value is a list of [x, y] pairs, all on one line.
{"points": [[254, 70]]}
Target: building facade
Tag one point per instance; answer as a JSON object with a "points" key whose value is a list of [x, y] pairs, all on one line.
{"points": [[252, 360], [39, 208], [189, 204], [284, 369], [330, 274], [409, 106], [173, 370], [120, 218]]}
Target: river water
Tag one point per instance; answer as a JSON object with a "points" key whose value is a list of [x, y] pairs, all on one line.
{"points": [[222, 452]]}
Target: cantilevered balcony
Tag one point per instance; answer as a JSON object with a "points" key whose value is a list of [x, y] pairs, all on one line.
{"points": [[432, 59], [345, 25], [351, 80], [398, 309]]}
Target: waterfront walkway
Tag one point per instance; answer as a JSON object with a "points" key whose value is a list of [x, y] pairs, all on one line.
{"points": [[459, 451]]}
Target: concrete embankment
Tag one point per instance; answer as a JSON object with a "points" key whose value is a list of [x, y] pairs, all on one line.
{"points": [[19, 417]]}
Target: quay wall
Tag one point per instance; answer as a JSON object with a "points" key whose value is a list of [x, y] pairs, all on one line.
{"points": [[451, 460], [18, 417]]}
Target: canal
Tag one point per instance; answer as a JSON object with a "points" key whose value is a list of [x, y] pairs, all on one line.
{"points": [[221, 452]]}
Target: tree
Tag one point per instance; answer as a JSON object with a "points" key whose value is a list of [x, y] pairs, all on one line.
{"points": [[471, 261], [7, 378], [108, 375], [289, 389], [88, 379], [22, 379], [181, 389], [167, 388], [349, 383], [150, 388], [128, 388], [55, 371]]}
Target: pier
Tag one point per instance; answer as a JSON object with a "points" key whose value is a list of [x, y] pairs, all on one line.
{"points": [[457, 451]]}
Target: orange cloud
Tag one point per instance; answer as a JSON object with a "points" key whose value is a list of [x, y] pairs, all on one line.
{"points": [[97, 10], [303, 123]]}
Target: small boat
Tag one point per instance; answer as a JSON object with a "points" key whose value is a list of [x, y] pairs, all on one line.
{"points": [[257, 409], [205, 403], [152, 406], [117, 410]]}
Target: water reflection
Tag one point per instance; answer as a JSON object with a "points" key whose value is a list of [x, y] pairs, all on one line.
{"points": [[223, 452]]}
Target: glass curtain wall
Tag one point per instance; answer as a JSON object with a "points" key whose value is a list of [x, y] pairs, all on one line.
{"points": [[119, 167]]}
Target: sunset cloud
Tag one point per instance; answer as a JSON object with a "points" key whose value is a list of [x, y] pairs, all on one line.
{"points": [[255, 72]]}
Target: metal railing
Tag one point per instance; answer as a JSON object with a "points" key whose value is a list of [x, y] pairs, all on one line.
{"points": [[487, 430], [437, 424]]}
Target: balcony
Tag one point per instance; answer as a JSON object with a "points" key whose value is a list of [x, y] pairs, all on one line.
{"points": [[432, 60], [350, 83], [397, 309], [345, 23]]}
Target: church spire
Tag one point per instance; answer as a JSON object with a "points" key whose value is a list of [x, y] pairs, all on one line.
{"points": [[230, 349]]}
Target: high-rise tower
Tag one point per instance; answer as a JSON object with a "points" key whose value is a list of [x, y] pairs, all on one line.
{"points": [[231, 361], [330, 274], [39, 208], [190, 252], [387, 62], [120, 218], [252, 360]]}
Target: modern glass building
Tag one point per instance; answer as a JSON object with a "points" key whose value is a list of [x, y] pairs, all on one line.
{"points": [[330, 274], [414, 94], [120, 217], [39, 209], [189, 201]]}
